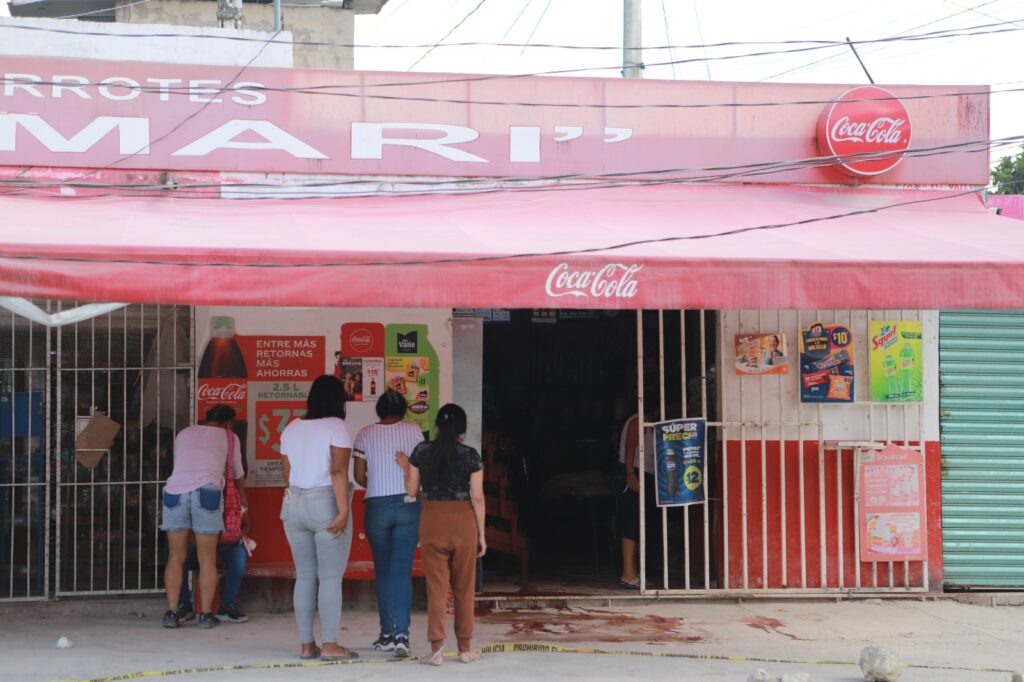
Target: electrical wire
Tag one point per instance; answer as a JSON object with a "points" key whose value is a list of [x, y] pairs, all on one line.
{"points": [[450, 31], [668, 37], [511, 185], [857, 43], [492, 258], [536, 26], [820, 43], [700, 34], [329, 90], [106, 9], [988, 29]]}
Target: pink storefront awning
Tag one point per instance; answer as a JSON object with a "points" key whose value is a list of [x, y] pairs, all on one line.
{"points": [[629, 247]]}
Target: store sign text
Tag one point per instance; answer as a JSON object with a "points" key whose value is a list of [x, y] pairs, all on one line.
{"points": [[368, 139]]}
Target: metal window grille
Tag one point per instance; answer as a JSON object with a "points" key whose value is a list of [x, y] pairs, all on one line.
{"points": [[742, 539], [24, 465], [135, 366]]}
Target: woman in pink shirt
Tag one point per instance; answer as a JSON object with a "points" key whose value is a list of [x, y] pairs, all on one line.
{"points": [[194, 502]]}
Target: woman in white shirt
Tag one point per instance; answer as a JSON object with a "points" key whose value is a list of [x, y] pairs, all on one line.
{"points": [[317, 499], [392, 517]]}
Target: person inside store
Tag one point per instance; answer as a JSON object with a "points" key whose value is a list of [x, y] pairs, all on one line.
{"points": [[449, 476], [193, 503], [629, 498], [392, 516], [316, 450], [234, 557]]}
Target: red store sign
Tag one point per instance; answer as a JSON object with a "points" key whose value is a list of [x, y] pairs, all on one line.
{"points": [[175, 117]]}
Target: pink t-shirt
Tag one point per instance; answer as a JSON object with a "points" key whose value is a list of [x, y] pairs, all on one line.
{"points": [[201, 457]]}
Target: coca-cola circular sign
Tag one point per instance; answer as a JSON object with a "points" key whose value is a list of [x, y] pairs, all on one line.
{"points": [[867, 129], [360, 340]]}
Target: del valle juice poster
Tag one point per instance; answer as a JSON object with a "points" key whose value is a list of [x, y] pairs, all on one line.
{"points": [[826, 364], [895, 357]]}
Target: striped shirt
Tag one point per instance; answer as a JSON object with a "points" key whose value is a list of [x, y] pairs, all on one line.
{"points": [[377, 444]]}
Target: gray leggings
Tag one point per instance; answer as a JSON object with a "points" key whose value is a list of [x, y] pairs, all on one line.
{"points": [[319, 557]]}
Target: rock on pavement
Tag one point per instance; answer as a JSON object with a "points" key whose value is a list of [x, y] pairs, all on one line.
{"points": [[880, 664]]}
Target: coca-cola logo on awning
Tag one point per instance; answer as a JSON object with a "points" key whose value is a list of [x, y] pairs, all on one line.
{"points": [[360, 340], [866, 129], [615, 280]]}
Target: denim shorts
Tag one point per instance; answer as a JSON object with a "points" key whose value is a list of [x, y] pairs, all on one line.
{"points": [[200, 510]]}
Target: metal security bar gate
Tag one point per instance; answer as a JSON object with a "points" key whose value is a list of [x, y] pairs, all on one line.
{"points": [[24, 462], [781, 477], [133, 365]]}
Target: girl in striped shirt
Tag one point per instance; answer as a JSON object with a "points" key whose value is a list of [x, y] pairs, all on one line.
{"points": [[392, 519]]}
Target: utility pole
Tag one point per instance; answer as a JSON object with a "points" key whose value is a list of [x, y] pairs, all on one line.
{"points": [[229, 13], [632, 52]]}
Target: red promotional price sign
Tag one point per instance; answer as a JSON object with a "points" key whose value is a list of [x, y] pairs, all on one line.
{"points": [[891, 507], [272, 416]]}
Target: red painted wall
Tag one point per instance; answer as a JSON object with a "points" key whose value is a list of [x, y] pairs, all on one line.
{"points": [[833, 519]]}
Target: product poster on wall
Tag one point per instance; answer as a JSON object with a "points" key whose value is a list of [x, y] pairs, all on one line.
{"points": [[239, 370], [680, 457], [891, 505], [895, 353], [266, 376], [411, 369], [761, 354], [826, 364], [361, 360]]}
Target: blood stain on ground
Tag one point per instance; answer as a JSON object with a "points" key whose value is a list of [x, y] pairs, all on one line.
{"points": [[595, 625], [769, 625]]}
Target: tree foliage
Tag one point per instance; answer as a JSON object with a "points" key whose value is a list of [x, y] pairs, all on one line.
{"points": [[1008, 175]]}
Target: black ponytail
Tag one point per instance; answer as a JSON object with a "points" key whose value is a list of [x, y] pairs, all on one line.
{"points": [[451, 424]]}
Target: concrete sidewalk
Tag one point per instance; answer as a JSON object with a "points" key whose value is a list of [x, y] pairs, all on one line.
{"points": [[115, 637]]}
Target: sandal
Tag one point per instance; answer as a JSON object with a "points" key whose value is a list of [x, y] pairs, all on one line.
{"points": [[469, 656], [435, 658], [633, 584], [347, 656], [314, 653]]}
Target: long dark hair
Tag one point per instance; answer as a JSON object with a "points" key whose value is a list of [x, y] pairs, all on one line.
{"points": [[451, 423], [326, 398]]}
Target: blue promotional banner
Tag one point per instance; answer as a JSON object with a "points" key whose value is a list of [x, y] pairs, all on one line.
{"points": [[679, 446]]}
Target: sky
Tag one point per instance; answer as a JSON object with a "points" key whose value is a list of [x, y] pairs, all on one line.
{"points": [[994, 59]]}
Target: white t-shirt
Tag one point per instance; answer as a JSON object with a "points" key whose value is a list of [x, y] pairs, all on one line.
{"points": [[649, 465], [377, 444], [307, 444], [201, 458]]}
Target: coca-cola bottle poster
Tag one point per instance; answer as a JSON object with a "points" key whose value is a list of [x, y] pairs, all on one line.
{"points": [[360, 365], [223, 378]]}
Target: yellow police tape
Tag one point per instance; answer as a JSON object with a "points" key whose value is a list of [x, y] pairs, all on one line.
{"points": [[517, 647]]}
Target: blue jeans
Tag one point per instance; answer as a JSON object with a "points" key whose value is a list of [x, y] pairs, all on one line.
{"points": [[235, 559], [392, 526]]}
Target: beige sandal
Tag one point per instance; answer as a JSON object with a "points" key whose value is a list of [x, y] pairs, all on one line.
{"points": [[469, 656], [435, 658]]}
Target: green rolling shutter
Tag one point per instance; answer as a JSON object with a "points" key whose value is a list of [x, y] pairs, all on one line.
{"points": [[981, 366]]}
